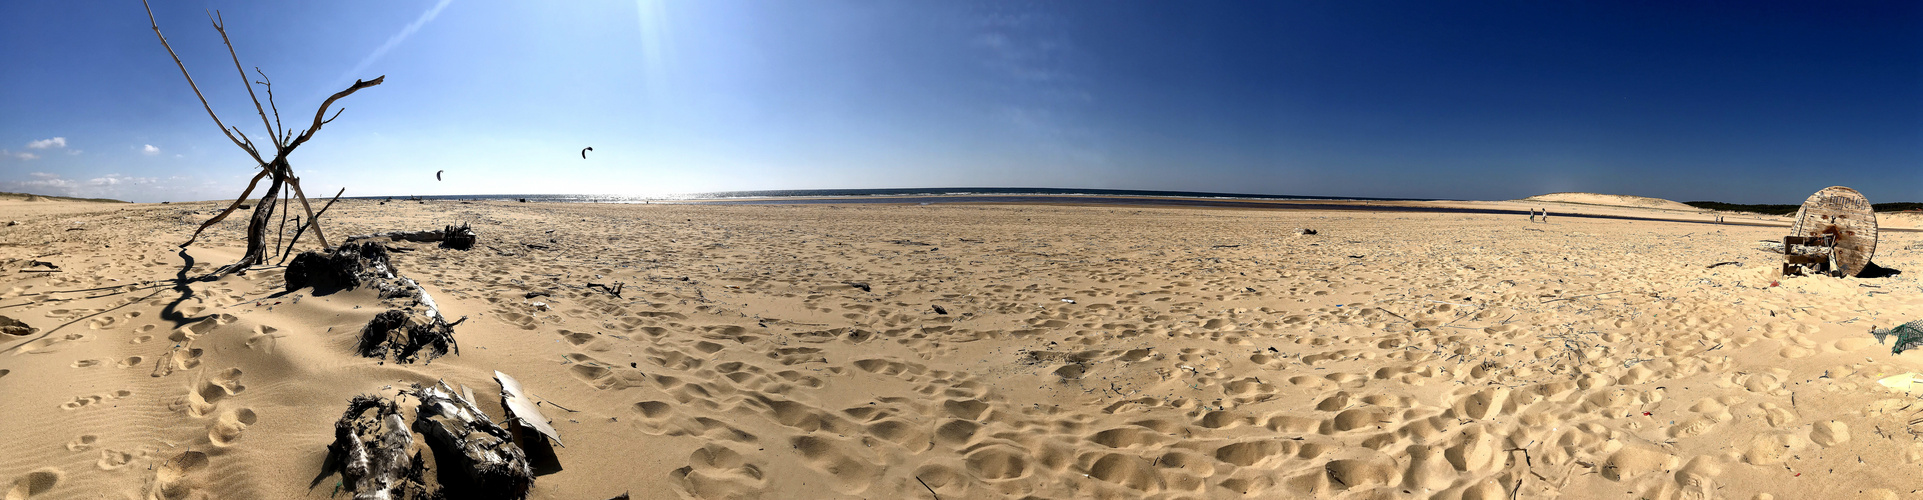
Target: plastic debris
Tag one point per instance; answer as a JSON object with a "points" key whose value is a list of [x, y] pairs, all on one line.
{"points": [[1908, 382]]}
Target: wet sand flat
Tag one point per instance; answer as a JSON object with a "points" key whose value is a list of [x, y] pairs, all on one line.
{"points": [[983, 351]]}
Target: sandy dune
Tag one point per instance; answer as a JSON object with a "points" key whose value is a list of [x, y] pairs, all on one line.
{"points": [[1617, 200], [890, 351]]}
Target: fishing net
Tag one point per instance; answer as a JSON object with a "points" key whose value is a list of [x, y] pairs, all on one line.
{"points": [[1908, 335]]}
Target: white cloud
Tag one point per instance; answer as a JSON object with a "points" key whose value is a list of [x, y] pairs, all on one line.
{"points": [[149, 150], [57, 142], [115, 186], [117, 179], [26, 156]]}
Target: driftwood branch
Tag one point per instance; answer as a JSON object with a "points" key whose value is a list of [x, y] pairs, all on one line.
{"points": [[312, 220], [309, 134], [190, 83], [220, 25], [302, 228], [280, 130], [230, 208], [280, 235]]}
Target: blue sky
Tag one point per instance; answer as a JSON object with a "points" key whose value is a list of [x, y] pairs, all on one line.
{"points": [[1758, 102]]}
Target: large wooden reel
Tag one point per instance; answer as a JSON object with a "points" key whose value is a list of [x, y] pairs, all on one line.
{"points": [[1844, 213]]}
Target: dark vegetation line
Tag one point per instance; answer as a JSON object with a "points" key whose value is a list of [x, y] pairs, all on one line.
{"points": [[1791, 209]]}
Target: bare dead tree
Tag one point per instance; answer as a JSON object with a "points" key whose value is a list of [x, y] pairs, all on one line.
{"points": [[277, 170]]}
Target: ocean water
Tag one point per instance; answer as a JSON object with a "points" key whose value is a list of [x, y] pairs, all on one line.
{"points": [[936, 195], [931, 196]]}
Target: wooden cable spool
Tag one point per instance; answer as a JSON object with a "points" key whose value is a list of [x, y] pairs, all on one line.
{"points": [[1846, 215]]}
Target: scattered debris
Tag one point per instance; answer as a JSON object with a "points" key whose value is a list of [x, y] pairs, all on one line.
{"points": [[939, 310], [1071, 301], [908, 242], [542, 294], [1304, 231], [615, 290], [863, 286], [1721, 264], [16, 328]]}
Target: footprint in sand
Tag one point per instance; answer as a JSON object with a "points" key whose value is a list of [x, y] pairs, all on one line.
{"points": [[196, 329], [178, 477], [228, 427], [104, 323], [602, 375], [201, 402], [86, 363], [264, 339], [34, 483], [113, 459], [130, 362], [717, 471], [83, 443], [81, 402], [851, 466], [180, 358]]}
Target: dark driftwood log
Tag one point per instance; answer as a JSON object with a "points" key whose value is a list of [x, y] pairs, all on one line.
{"points": [[463, 438], [460, 237], [345, 268], [412, 324], [404, 336]]}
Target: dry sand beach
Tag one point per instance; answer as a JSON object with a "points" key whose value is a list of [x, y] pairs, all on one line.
{"points": [[984, 351]]}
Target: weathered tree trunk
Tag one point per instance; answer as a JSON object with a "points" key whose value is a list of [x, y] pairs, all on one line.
{"points": [[257, 227]]}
